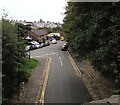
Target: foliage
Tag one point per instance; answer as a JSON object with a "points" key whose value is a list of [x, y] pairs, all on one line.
{"points": [[13, 60], [93, 31], [56, 37], [54, 30], [25, 71], [22, 29], [9, 59]]}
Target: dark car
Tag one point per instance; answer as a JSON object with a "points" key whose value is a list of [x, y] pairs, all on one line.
{"points": [[64, 47], [32, 47]]}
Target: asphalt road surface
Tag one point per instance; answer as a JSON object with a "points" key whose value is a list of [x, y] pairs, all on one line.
{"points": [[63, 85]]}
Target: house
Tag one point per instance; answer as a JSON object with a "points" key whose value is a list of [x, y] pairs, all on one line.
{"points": [[54, 34], [38, 35]]}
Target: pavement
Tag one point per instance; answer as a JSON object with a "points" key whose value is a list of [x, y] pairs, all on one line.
{"points": [[55, 80], [32, 89]]}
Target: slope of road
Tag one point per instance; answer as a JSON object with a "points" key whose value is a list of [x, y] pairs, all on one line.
{"points": [[63, 85]]}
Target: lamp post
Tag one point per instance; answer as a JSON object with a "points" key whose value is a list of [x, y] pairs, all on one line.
{"points": [[29, 28]]}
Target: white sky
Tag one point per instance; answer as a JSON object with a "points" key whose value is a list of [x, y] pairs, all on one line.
{"points": [[34, 10]]}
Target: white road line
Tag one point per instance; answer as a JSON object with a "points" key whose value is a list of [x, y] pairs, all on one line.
{"points": [[49, 53], [61, 63], [60, 58]]}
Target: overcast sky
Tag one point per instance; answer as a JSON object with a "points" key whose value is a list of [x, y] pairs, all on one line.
{"points": [[34, 10]]}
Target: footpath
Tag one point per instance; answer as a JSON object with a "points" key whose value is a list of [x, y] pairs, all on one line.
{"points": [[32, 90]]}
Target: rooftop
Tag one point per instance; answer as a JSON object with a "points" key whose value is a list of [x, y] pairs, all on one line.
{"points": [[40, 32]]}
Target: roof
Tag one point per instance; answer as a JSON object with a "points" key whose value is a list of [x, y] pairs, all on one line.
{"points": [[52, 34], [40, 32]]}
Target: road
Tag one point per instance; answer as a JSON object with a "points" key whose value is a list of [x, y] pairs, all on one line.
{"points": [[63, 85]]}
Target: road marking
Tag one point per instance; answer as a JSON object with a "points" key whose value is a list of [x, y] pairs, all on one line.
{"points": [[77, 71], [46, 54], [61, 63], [60, 58], [39, 91], [45, 82]]}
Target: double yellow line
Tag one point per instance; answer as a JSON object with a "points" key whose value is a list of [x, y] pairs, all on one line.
{"points": [[77, 71], [41, 101], [47, 68]]}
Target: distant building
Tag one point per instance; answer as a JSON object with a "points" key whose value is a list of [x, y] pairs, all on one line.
{"points": [[39, 24], [38, 35]]}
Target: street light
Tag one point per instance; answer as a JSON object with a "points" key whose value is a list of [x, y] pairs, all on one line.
{"points": [[29, 28]]}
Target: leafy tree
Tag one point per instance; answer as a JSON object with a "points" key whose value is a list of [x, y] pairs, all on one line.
{"points": [[9, 58], [22, 29], [92, 30], [13, 59], [56, 37]]}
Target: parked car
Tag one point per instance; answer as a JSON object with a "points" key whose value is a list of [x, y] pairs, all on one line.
{"points": [[47, 43], [27, 48], [62, 38], [33, 43], [32, 47], [64, 47], [51, 39], [29, 43], [42, 44], [54, 41], [37, 45]]}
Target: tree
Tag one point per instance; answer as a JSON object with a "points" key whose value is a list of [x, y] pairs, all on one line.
{"points": [[23, 29], [92, 30], [13, 59], [9, 58]]}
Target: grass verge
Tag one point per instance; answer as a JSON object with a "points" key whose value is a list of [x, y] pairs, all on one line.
{"points": [[25, 71], [22, 77], [30, 64]]}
